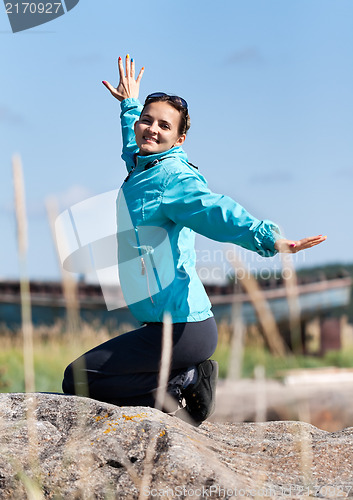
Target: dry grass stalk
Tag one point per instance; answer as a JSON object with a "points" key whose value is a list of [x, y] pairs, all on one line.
{"points": [[161, 400], [74, 325], [27, 326], [261, 403], [22, 241], [306, 452], [166, 356], [236, 343], [69, 286], [148, 462], [262, 309], [68, 283], [260, 416], [33, 491]]}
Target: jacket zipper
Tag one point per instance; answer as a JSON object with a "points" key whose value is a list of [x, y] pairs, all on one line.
{"points": [[143, 265]]}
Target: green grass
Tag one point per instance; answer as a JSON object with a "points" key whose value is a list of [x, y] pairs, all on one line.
{"points": [[50, 361], [275, 366], [54, 349]]}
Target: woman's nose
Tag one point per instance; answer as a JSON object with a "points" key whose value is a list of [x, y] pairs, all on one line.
{"points": [[153, 128]]}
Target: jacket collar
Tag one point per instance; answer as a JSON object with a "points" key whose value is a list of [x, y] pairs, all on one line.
{"points": [[143, 162]]}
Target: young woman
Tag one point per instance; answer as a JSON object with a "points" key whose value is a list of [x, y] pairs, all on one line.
{"points": [[163, 201]]}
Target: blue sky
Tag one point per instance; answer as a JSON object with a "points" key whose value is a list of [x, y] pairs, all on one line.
{"points": [[269, 85]]}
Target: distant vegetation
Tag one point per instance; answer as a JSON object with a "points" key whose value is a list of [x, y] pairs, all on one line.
{"points": [[55, 347]]}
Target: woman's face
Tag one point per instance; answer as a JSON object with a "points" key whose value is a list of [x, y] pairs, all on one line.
{"points": [[156, 130]]}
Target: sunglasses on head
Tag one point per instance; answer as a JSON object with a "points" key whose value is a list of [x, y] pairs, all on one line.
{"points": [[173, 98]]}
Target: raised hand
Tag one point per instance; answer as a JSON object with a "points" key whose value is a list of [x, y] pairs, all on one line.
{"points": [[128, 86], [291, 246]]}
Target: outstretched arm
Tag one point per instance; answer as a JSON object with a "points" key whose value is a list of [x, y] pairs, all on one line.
{"points": [[127, 93], [291, 246], [188, 201]]}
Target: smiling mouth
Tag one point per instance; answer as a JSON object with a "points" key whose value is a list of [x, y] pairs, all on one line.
{"points": [[150, 139]]}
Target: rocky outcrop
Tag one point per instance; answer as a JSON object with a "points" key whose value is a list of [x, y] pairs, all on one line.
{"points": [[56, 446], [321, 397]]}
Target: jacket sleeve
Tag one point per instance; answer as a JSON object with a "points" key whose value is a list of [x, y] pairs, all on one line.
{"points": [[130, 112], [188, 201]]}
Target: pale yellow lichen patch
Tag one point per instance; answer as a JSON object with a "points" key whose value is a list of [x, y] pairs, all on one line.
{"points": [[131, 417], [109, 430], [112, 423], [100, 417], [111, 426]]}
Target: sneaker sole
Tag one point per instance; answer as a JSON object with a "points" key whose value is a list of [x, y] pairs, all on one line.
{"points": [[210, 369]]}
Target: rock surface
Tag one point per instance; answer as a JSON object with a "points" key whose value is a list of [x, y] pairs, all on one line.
{"points": [[322, 398], [77, 448]]}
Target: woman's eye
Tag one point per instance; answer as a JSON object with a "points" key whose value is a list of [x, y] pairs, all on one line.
{"points": [[165, 126]]}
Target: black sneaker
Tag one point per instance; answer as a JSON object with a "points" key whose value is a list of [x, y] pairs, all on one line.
{"points": [[200, 397]]}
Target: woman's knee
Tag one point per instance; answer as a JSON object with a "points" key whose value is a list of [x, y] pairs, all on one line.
{"points": [[68, 385], [76, 379]]}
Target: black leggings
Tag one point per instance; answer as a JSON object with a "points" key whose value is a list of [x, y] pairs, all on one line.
{"points": [[125, 369]]}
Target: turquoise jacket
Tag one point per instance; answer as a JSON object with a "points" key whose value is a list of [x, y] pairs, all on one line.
{"points": [[162, 203]]}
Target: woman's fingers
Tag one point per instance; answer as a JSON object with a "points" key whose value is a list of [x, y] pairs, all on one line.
{"points": [[139, 76], [121, 69], [291, 246], [129, 69], [307, 243], [311, 241], [109, 86], [127, 65]]}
